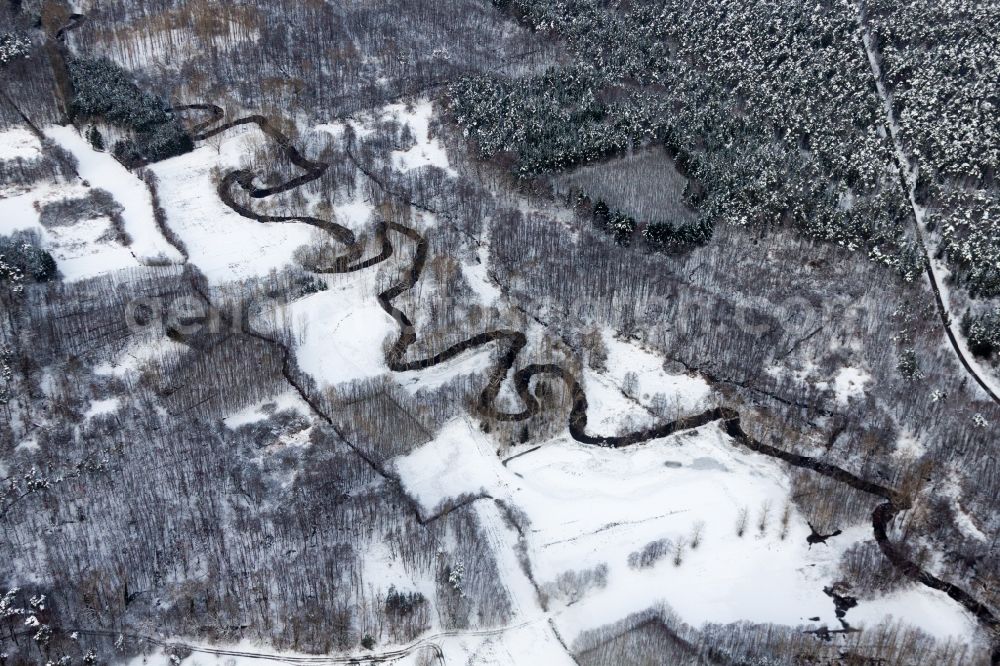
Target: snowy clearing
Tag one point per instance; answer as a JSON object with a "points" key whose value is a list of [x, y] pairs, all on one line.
{"points": [[929, 610], [427, 151], [661, 490], [102, 408], [683, 393], [102, 170], [289, 400], [19, 143], [340, 331], [224, 245], [82, 250], [850, 383], [138, 355], [455, 463]]}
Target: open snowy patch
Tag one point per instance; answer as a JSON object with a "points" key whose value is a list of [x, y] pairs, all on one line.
{"points": [[82, 250], [908, 446], [289, 400], [635, 392], [477, 276], [929, 610], [138, 355], [427, 151], [850, 383], [628, 363], [687, 487], [340, 331], [102, 170], [473, 362], [609, 411], [19, 143], [223, 244], [531, 642], [102, 407], [459, 461], [598, 509]]}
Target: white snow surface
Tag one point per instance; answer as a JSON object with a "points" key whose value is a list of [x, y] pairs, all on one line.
{"points": [[427, 151], [263, 409], [850, 383], [138, 355], [340, 331], [82, 250], [930, 610], [102, 407], [589, 506], [456, 462], [684, 393], [102, 170], [224, 245], [19, 143]]}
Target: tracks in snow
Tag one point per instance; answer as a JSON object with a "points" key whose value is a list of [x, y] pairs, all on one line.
{"points": [[908, 172]]}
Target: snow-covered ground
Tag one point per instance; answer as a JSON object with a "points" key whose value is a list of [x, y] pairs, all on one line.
{"points": [[518, 645], [87, 248], [138, 355], [684, 393], [82, 250], [289, 400], [340, 331], [102, 170], [636, 392], [427, 151], [588, 506], [459, 461], [224, 245], [19, 143], [850, 383]]}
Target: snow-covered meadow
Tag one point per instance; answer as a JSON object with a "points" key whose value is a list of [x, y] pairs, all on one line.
{"points": [[587, 507]]}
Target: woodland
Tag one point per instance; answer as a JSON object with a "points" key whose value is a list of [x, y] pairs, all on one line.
{"points": [[769, 197]]}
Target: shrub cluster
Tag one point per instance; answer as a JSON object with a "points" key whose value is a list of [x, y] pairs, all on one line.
{"points": [[13, 47], [983, 332], [22, 260]]}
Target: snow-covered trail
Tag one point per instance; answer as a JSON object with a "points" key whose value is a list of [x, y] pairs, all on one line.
{"points": [[909, 171]]}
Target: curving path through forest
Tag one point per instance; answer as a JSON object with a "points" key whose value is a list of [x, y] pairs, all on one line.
{"points": [[513, 343], [908, 171]]}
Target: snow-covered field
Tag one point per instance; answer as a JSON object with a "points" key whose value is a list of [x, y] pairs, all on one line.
{"points": [[19, 143], [87, 248], [340, 331], [427, 151], [224, 245], [81, 250], [102, 170], [589, 506]]}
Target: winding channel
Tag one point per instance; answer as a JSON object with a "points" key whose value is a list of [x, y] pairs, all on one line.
{"points": [[513, 342]]}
